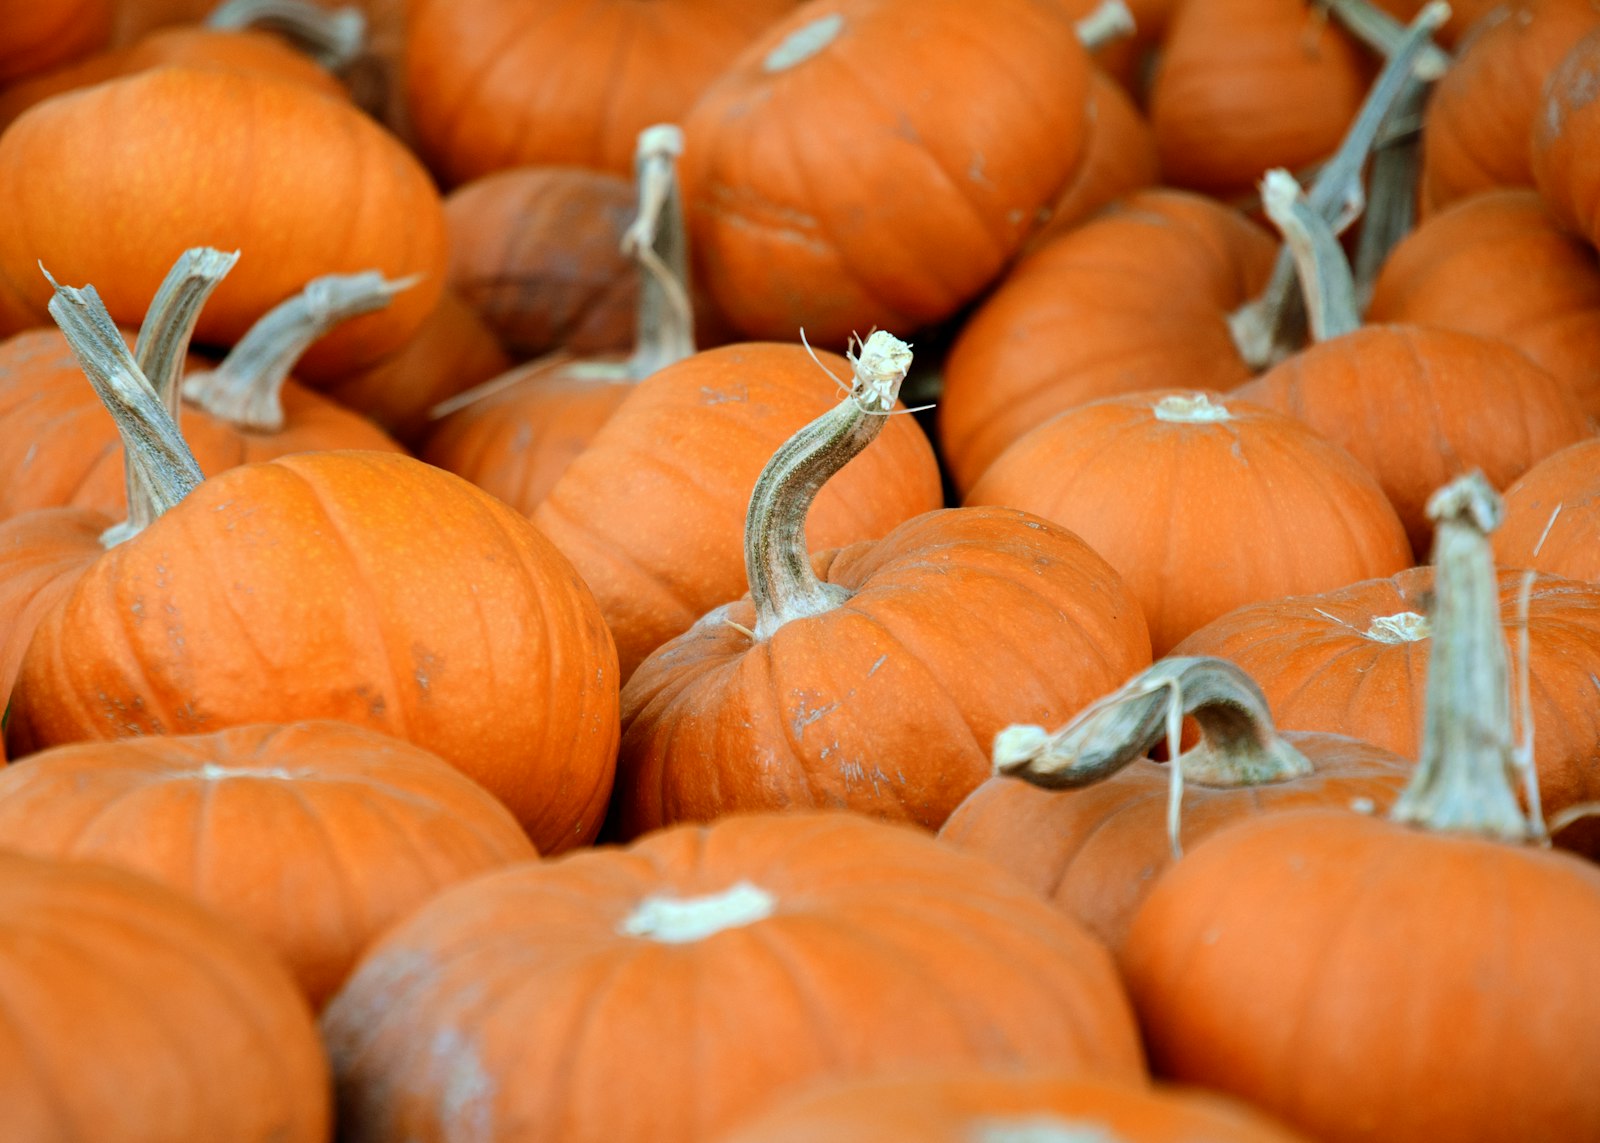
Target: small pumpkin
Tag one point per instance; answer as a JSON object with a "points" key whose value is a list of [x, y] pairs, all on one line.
{"points": [[1550, 521], [1565, 130]]}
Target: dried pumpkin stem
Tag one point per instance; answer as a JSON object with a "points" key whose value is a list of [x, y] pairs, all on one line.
{"points": [[247, 388], [1109, 22], [658, 241], [1385, 35], [776, 560], [1466, 774], [1391, 188], [149, 434], [1271, 327], [334, 37], [1329, 290]]}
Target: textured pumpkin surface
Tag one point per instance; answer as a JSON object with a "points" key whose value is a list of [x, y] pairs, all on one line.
{"points": [[1097, 851], [59, 446], [838, 178], [301, 184], [1353, 661], [1131, 300], [513, 1007], [312, 837], [135, 1016], [1419, 407], [1497, 265], [958, 623], [991, 1107], [365, 587], [1552, 519], [1200, 517], [652, 513], [1247, 85], [1364, 981], [1566, 131], [495, 84]]}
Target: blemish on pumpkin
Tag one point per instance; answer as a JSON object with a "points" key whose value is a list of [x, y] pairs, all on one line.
{"points": [[803, 43], [1040, 1129], [872, 670], [680, 920], [804, 718], [1404, 627], [211, 772], [467, 1090], [734, 394]]}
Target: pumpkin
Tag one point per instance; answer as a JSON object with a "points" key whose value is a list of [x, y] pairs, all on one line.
{"points": [[132, 1014], [360, 582], [686, 446], [1417, 406], [973, 1106], [753, 956], [1362, 978], [1498, 265], [1480, 116], [876, 684], [1564, 132], [838, 178], [312, 837], [1550, 519], [304, 184], [496, 84], [1124, 302], [1091, 824], [42, 36], [1172, 487]]}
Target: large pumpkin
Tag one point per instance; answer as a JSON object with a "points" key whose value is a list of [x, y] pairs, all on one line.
{"points": [[745, 959]]}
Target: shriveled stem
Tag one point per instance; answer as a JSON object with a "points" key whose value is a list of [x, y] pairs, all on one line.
{"points": [[1392, 188], [1329, 290], [334, 37], [658, 241], [247, 388], [1385, 35], [1466, 774], [149, 434], [776, 561], [1111, 21], [1270, 327]]}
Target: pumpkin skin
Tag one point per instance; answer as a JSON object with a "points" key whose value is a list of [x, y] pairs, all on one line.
{"points": [[135, 1016], [689, 442], [43, 36], [59, 447], [1363, 980], [305, 186], [1497, 265], [883, 950], [1096, 852], [312, 837], [360, 581], [495, 84], [1243, 86], [993, 1107], [1565, 131], [835, 180], [1420, 406], [886, 704], [1550, 521], [1172, 501], [1480, 112], [1350, 661], [1127, 301]]}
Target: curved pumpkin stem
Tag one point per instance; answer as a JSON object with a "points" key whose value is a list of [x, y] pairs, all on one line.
{"points": [[334, 37], [1465, 777], [1387, 36], [247, 388], [782, 584], [658, 241], [1239, 746], [1271, 327], [1325, 281], [1110, 21], [150, 436]]}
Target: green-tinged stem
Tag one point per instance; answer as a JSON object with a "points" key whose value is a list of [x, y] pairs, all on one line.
{"points": [[1111, 21], [1270, 327], [149, 434], [658, 241], [247, 388], [334, 37], [782, 583], [1325, 281], [1392, 188], [1466, 774]]}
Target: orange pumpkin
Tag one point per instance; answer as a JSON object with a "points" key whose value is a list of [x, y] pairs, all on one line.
{"points": [[1551, 522], [42, 36], [1566, 129], [753, 956]]}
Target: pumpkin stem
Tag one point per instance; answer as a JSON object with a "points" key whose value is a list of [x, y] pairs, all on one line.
{"points": [[1330, 291], [782, 584], [334, 37], [1385, 35], [1110, 21], [149, 434], [246, 389], [658, 241], [1271, 327], [1465, 777], [1391, 187]]}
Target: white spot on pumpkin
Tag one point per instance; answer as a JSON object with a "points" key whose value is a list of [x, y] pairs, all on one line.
{"points": [[1040, 1129], [1191, 409], [680, 920], [1402, 627], [803, 43]]}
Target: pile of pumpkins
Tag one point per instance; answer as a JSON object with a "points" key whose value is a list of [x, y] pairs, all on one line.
{"points": [[752, 570]]}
